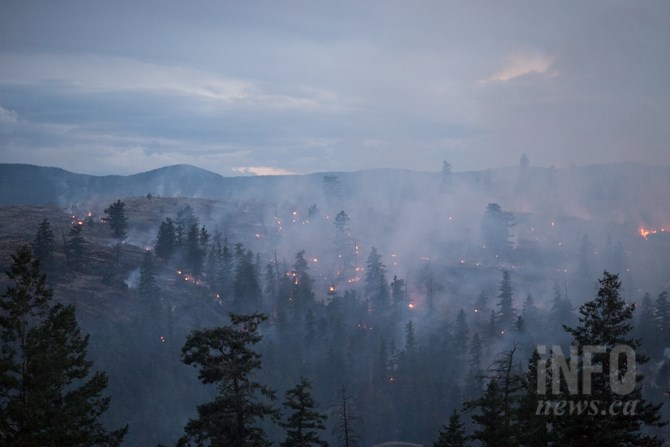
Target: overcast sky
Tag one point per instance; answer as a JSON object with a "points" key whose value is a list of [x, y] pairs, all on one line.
{"points": [[280, 86]]}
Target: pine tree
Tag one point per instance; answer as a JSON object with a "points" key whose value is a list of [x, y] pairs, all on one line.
{"points": [[530, 312], [346, 422], [304, 422], [495, 412], [116, 216], [495, 229], [166, 242], [492, 420], [47, 393], [453, 435], [506, 315], [398, 295], [605, 322], [302, 294], [376, 289], [461, 333], [344, 245], [225, 357], [646, 328], [560, 313], [533, 428], [148, 290], [194, 251], [74, 247], [247, 288], [662, 315], [44, 245]]}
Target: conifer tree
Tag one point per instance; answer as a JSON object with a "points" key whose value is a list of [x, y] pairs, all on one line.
{"points": [[506, 315], [225, 356], [495, 229], [116, 216], [44, 245], [646, 328], [605, 323], [533, 429], [247, 288], [194, 251], [376, 289], [304, 421], [346, 422], [48, 395], [148, 289], [166, 239], [74, 247], [461, 334], [302, 294], [492, 419], [344, 244], [662, 315], [452, 435]]}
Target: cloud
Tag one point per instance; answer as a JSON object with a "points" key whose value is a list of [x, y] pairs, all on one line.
{"points": [[8, 116], [262, 170], [521, 65], [98, 74]]}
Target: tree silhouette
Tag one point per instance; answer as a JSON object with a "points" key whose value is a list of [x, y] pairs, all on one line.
{"points": [[224, 356], [116, 217], [48, 395], [304, 422]]}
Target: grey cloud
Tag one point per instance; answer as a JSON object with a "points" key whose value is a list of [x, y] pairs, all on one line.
{"points": [[576, 82]]}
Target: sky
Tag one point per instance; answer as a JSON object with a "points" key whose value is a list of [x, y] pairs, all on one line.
{"points": [[278, 87]]}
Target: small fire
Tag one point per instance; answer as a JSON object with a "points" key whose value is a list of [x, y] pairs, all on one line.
{"points": [[645, 232], [331, 289], [162, 338], [411, 305]]}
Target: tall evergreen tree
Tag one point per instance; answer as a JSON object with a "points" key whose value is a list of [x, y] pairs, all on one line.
{"points": [[662, 315], [186, 218], [461, 334], [194, 252], [605, 322], [376, 288], [346, 422], [247, 288], [452, 435], [344, 245], [492, 418], [44, 245], [646, 328], [302, 294], [495, 227], [506, 314], [116, 217], [225, 357], [47, 393], [148, 289], [533, 428], [74, 247], [304, 421], [530, 312], [166, 239]]}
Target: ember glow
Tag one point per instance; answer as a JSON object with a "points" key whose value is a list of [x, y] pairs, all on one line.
{"points": [[645, 232]]}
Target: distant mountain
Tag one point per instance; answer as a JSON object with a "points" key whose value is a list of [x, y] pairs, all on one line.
{"points": [[615, 192]]}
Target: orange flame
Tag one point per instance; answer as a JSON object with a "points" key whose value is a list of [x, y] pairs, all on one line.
{"points": [[646, 232]]}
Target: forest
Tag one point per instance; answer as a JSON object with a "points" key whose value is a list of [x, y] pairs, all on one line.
{"points": [[196, 322]]}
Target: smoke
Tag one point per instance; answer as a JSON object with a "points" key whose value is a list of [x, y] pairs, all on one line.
{"points": [[133, 279]]}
